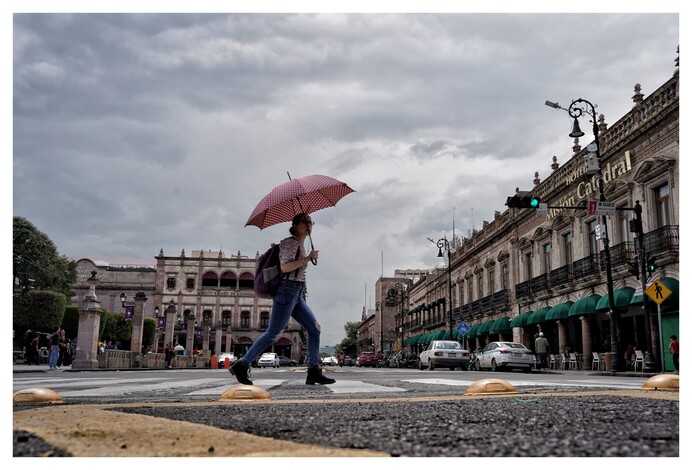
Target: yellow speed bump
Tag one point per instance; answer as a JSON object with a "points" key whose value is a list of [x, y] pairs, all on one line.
{"points": [[488, 386], [36, 395], [662, 382], [245, 392]]}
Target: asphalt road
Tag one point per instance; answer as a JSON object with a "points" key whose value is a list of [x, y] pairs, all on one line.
{"points": [[405, 413]]}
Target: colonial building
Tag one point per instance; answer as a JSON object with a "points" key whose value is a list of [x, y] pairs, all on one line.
{"points": [[113, 281], [527, 271], [216, 292], [212, 291]]}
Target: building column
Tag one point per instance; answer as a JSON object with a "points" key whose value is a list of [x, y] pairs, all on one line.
{"points": [[218, 333], [229, 340], [170, 325], [561, 335], [88, 330], [586, 340], [137, 329], [205, 341], [138, 323], [190, 338]]}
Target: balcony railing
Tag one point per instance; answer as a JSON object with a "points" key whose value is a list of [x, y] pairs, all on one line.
{"points": [[663, 240], [561, 276]]}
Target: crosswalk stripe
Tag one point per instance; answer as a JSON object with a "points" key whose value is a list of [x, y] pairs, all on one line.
{"points": [[125, 389], [357, 386], [265, 384]]}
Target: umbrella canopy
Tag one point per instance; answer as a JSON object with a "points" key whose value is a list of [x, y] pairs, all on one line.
{"points": [[307, 194], [179, 348]]}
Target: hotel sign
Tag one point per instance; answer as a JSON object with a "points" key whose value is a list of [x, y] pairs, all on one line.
{"points": [[589, 187]]}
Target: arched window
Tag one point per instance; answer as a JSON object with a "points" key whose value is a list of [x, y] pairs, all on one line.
{"points": [[247, 281], [210, 280], [264, 320], [225, 319], [228, 280], [245, 319]]}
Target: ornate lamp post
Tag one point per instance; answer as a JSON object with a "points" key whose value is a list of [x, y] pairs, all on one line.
{"points": [[577, 109], [443, 244], [378, 306]]}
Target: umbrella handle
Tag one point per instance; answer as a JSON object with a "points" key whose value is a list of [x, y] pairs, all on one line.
{"points": [[312, 247]]}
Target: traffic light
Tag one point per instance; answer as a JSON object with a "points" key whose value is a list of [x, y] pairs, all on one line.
{"points": [[27, 283], [524, 202], [633, 267], [651, 264]]}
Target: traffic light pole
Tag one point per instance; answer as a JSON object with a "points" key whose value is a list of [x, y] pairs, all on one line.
{"points": [[649, 359]]}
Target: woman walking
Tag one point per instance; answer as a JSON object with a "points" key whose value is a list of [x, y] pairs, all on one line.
{"points": [[289, 302]]}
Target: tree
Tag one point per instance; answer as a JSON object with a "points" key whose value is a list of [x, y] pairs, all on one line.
{"points": [[36, 254], [348, 344], [38, 311]]}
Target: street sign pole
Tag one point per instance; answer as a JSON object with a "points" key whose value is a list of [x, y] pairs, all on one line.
{"points": [[660, 340]]}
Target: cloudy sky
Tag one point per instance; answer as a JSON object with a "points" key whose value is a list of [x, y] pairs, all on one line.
{"points": [[140, 132]]}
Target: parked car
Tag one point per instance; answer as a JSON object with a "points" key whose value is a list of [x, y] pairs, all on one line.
{"points": [[268, 360], [505, 355], [330, 361], [367, 359], [444, 354], [286, 361], [222, 358], [348, 361]]}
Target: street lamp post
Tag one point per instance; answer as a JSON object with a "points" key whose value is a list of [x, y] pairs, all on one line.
{"points": [[443, 244], [378, 306], [576, 109]]}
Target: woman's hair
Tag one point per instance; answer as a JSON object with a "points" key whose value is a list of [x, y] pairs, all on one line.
{"points": [[673, 337], [298, 218]]}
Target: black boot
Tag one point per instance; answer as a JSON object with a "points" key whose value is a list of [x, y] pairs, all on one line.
{"points": [[315, 377], [240, 371]]}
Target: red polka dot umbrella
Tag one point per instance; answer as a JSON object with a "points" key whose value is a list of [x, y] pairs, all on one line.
{"points": [[308, 194]]}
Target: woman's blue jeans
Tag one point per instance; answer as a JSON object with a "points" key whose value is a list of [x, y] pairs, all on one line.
{"points": [[53, 358], [288, 302]]}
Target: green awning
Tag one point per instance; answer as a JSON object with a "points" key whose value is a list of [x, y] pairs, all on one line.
{"points": [[411, 340], [473, 331], [520, 320], [585, 306], [559, 312], [438, 335], [424, 339], [501, 325], [673, 299], [456, 336], [622, 299], [484, 329], [538, 316]]}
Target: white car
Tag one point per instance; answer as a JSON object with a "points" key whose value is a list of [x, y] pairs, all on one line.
{"points": [[444, 354], [268, 360], [222, 359], [330, 361], [505, 354]]}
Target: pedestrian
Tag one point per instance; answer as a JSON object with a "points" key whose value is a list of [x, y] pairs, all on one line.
{"points": [[34, 349], [54, 349], [62, 345], [289, 302], [169, 355], [542, 346], [674, 349]]}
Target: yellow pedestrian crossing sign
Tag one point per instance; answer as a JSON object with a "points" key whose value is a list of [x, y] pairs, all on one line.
{"points": [[658, 292]]}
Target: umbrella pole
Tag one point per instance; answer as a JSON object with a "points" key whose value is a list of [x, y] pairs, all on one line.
{"points": [[312, 246]]}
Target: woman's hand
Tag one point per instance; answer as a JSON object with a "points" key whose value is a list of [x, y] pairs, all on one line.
{"points": [[314, 254]]}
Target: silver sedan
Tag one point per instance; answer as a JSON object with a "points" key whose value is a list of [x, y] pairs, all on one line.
{"points": [[505, 355]]}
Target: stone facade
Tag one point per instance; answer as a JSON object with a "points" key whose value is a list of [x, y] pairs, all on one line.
{"points": [[207, 285], [523, 261], [113, 280]]}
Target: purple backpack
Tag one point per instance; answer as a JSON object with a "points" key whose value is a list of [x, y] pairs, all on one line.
{"points": [[268, 273]]}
